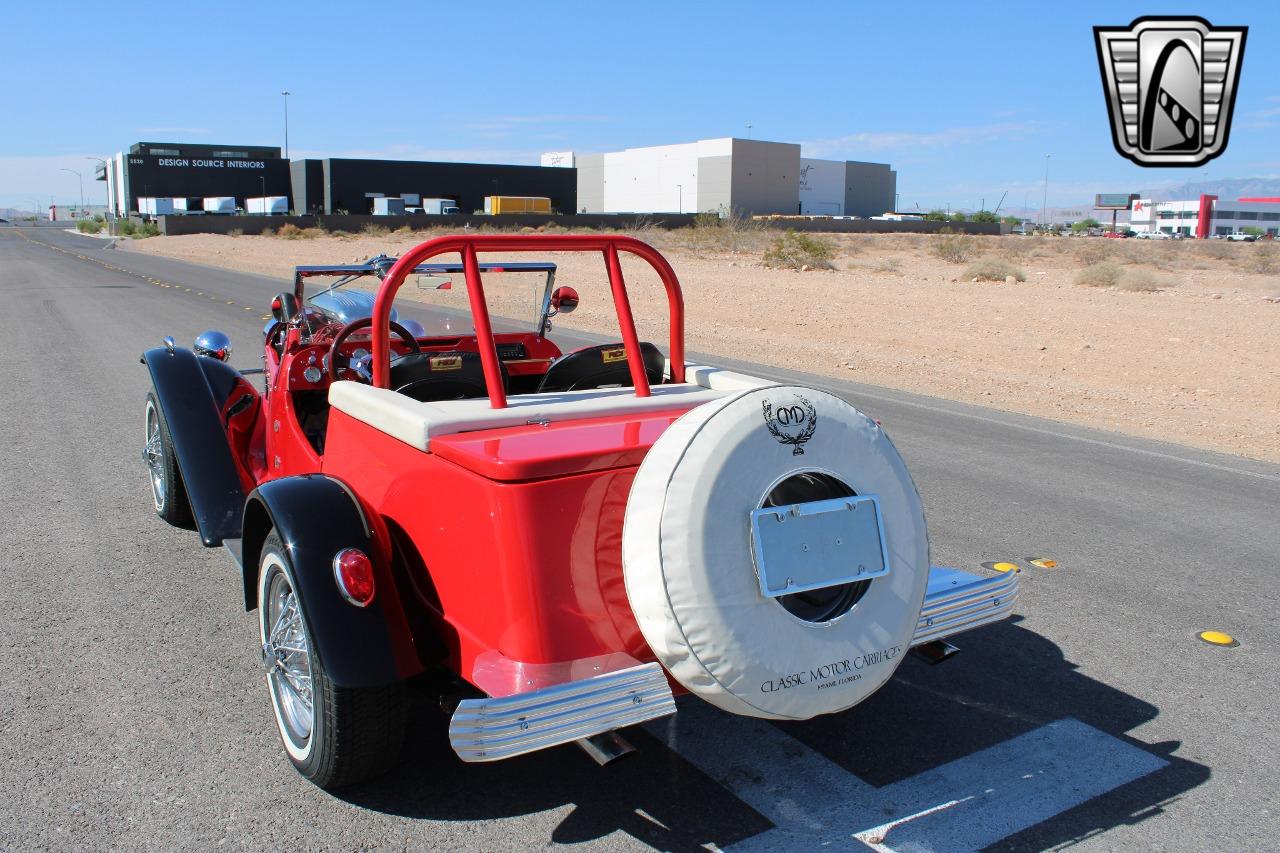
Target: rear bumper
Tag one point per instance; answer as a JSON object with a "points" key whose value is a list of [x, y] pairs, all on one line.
{"points": [[536, 706], [494, 728], [958, 601]]}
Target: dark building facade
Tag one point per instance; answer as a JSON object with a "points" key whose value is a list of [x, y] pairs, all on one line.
{"points": [[339, 185], [193, 172]]}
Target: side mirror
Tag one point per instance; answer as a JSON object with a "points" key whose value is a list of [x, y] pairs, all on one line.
{"points": [[564, 300]]}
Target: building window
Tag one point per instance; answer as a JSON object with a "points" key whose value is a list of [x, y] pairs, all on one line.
{"points": [[1247, 214], [165, 152], [1270, 217], [1222, 229], [1226, 214], [230, 155]]}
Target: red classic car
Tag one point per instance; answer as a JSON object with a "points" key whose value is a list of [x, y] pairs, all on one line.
{"points": [[553, 543]]}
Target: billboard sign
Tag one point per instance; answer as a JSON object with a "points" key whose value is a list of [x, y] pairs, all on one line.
{"points": [[1113, 201]]}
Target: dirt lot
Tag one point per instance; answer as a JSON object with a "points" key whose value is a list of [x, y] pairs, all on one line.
{"points": [[1183, 349]]}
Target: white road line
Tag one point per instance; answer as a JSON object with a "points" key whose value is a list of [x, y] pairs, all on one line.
{"points": [[945, 410], [964, 805]]}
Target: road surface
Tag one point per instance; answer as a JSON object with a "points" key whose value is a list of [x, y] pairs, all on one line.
{"points": [[133, 713]]}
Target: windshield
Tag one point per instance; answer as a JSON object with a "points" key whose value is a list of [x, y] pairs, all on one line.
{"points": [[436, 297]]}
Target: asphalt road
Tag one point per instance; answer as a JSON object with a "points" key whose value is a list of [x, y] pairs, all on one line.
{"points": [[133, 714]]}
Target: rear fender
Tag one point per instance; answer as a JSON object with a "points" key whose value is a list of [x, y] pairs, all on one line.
{"points": [[316, 517], [198, 397]]}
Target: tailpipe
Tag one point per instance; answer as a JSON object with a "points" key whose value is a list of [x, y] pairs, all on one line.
{"points": [[606, 747]]}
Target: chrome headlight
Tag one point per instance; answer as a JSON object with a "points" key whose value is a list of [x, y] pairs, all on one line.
{"points": [[213, 344]]}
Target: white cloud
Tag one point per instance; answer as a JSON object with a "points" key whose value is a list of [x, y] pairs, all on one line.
{"points": [[25, 180], [896, 140]]}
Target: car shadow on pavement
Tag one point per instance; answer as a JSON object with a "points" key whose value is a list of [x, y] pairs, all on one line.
{"points": [[1007, 682]]}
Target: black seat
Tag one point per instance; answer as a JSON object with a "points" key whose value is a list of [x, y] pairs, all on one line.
{"points": [[603, 366], [432, 376]]}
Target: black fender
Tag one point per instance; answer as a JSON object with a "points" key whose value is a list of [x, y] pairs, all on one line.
{"points": [[192, 391], [316, 517]]}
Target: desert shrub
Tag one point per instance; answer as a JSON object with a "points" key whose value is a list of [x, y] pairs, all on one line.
{"points": [[147, 229], [1265, 259], [1105, 274], [1213, 248], [993, 269], [289, 231], [236, 232], [792, 250], [126, 227], [1143, 281], [1091, 252], [891, 266], [88, 226], [733, 232], [952, 248], [372, 230]]}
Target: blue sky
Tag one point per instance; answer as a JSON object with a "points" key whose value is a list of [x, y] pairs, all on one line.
{"points": [[964, 99]]}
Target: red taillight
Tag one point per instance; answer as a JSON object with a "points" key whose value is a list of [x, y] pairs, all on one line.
{"points": [[275, 304], [353, 573]]}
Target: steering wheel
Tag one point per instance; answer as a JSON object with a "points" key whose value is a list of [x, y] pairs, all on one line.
{"points": [[357, 325]]}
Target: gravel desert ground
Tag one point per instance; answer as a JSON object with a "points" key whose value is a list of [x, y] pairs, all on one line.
{"points": [[1183, 348]]}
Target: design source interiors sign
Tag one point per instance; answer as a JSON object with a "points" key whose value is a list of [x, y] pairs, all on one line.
{"points": [[186, 163]]}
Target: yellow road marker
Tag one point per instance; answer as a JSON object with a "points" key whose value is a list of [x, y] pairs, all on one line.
{"points": [[1001, 566], [1218, 638], [1042, 562]]}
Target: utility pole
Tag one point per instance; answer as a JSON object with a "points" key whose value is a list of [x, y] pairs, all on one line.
{"points": [[1044, 204], [81, 178], [286, 123]]}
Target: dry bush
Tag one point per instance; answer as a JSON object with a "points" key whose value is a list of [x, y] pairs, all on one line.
{"points": [[289, 231], [993, 269], [236, 232], [793, 250], [888, 266], [1143, 281], [1105, 274], [1264, 258], [372, 230], [735, 232], [952, 248], [1091, 252], [1218, 249]]}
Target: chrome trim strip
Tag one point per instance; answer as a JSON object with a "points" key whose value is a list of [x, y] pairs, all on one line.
{"points": [[959, 601], [495, 728]]}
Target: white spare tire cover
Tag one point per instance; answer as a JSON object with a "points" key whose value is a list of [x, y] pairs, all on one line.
{"points": [[691, 577]]}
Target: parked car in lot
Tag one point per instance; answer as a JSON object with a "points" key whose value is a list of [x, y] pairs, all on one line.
{"points": [[552, 544], [1241, 237]]}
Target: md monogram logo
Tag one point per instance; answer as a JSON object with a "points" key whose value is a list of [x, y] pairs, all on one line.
{"points": [[792, 423]]}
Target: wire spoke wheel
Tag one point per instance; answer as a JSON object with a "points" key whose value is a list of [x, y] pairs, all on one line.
{"points": [[286, 656], [153, 455]]}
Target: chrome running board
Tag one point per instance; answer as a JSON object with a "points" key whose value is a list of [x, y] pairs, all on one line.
{"points": [[958, 601], [500, 727]]}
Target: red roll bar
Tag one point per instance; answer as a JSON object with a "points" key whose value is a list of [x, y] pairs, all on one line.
{"points": [[467, 246]]}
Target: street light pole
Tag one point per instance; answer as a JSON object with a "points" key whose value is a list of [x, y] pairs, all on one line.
{"points": [[286, 123], [81, 178], [1044, 204]]}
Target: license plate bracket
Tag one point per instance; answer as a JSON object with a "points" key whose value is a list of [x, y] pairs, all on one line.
{"points": [[818, 544]]}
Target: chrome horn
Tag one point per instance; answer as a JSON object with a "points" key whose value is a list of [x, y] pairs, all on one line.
{"points": [[213, 344]]}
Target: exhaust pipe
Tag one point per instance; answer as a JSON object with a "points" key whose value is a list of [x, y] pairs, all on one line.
{"points": [[606, 747], [935, 652]]}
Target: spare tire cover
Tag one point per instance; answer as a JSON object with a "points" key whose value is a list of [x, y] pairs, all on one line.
{"points": [[691, 577]]}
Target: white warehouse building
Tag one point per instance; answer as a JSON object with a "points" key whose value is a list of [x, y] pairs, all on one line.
{"points": [[1207, 216], [719, 175]]}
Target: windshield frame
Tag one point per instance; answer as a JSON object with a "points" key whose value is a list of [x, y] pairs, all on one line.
{"points": [[379, 265]]}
